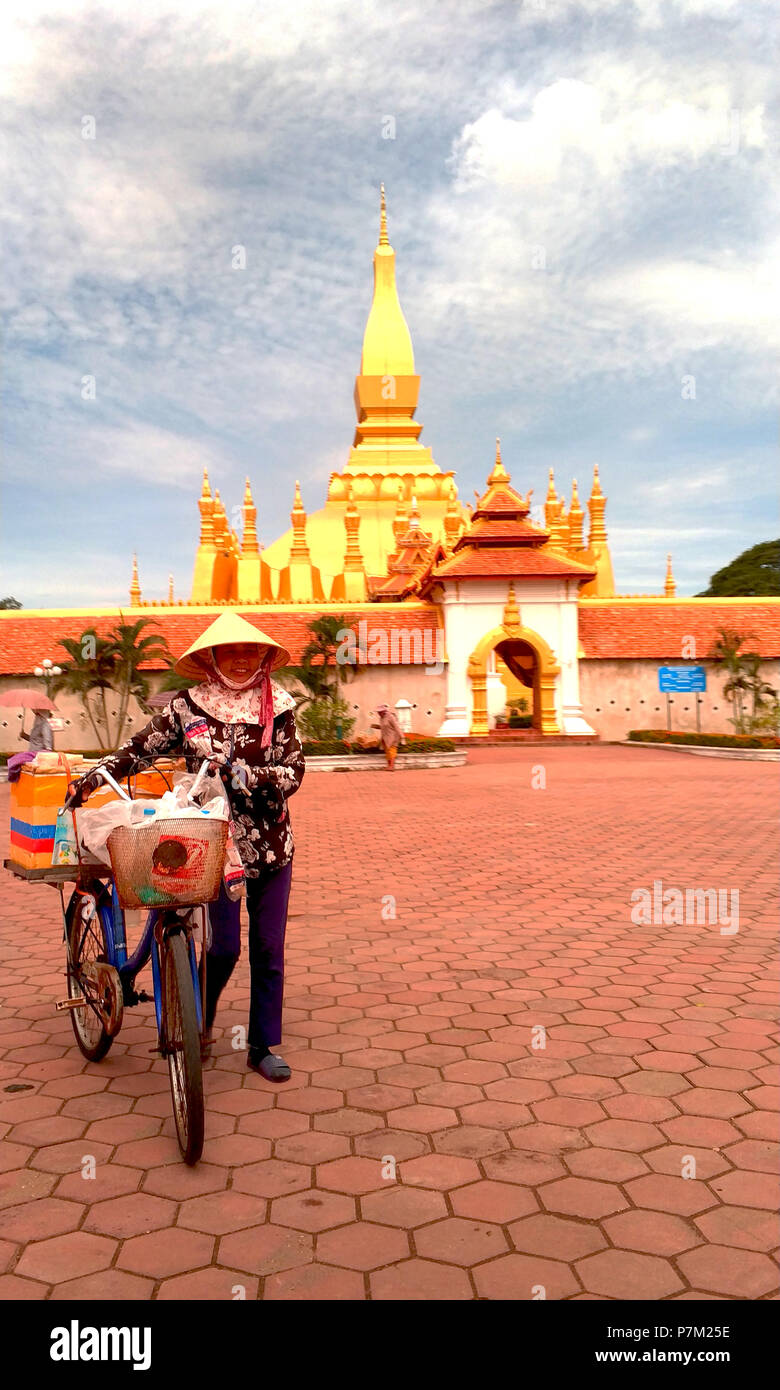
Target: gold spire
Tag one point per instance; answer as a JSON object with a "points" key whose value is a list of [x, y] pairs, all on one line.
{"points": [[670, 587], [299, 550], [564, 523], [511, 618], [249, 545], [596, 507], [353, 559], [387, 343], [383, 239], [551, 503], [576, 516], [135, 587], [452, 518], [499, 474], [401, 519], [170, 589], [206, 509]]}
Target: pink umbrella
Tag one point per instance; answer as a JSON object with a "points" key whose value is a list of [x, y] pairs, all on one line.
{"points": [[26, 699]]}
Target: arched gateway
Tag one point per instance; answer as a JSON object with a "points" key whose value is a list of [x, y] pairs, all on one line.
{"points": [[508, 594], [514, 643]]}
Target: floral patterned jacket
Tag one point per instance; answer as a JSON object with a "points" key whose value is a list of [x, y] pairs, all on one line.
{"points": [[265, 778]]}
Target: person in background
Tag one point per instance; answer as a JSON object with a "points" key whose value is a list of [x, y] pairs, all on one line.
{"points": [[40, 737], [390, 734]]}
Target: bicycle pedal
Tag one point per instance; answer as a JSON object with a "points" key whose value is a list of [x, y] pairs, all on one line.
{"points": [[70, 1004]]}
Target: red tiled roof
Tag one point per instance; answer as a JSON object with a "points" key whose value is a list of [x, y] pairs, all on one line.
{"points": [[501, 498], [25, 641], [485, 562], [509, 529], [658, 630]]}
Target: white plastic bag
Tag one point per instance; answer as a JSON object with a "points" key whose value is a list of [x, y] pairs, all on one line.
{"points": [[95, 825]]}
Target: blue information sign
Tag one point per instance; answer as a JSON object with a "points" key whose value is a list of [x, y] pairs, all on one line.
{"points": [[681, 679]]}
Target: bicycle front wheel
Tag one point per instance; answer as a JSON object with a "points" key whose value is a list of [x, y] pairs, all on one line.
{"points": [[98, 1015], [181, 1044]]}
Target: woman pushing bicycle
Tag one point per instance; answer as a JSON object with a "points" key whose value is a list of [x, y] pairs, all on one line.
{"points": [[241, 718]]}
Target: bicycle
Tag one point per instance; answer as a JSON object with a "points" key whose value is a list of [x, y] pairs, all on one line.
{"points": [[101, 975]]}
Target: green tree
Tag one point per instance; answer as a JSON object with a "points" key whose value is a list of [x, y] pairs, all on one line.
{"points": [[102, 665], [743, 675], [755, 572], [10, 602], [323, 669]]}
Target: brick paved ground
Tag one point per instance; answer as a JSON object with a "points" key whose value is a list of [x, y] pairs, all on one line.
{"points": [[411, 1038]]}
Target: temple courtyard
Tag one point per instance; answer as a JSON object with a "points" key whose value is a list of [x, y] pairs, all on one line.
{"points": [[511, 1078]]}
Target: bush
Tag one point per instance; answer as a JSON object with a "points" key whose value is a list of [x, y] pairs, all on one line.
{"points": [[705, 740], [325, 747], [419, 743], [520, 721], [325, 719]]}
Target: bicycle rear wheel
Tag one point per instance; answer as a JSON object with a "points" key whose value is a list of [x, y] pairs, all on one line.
{"points": [[91, 980], [181, 1044]]}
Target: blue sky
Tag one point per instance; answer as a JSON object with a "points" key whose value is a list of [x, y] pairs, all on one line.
{"points": [[629, 146]]}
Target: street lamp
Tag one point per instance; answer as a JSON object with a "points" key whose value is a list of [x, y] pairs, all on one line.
{"points": [[46, 672]]}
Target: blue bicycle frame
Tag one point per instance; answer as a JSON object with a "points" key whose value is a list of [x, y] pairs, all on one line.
{"points": [[112, 919]]}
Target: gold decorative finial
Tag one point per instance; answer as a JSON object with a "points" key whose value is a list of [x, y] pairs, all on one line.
{"points": [[511, 618], [170, 589], [670, 587], [576, 516], [596, 504], [135, 587], [499, 474], [206, 492], [383, 238]]}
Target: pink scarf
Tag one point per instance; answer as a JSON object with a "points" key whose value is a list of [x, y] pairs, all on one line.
{"points": [[240, 702]]}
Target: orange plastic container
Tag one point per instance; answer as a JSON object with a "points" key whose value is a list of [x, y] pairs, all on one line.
{"points": [[39, 794]]}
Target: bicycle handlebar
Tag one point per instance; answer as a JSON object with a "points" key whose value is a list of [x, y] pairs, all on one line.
{"points": [[137, 763]]}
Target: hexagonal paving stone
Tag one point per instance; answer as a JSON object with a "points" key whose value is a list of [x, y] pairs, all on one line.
{"points": [[747, 1188], [66, 1257], [315, 1282], [682, 1196], [555, 1238], [439, 1171], [459, 1241], [376, 1096], [176, 1253], [652, 1232], [272, 1178], [110, 1285], [625, 1134], [217, 1213], [470, 1141], [743, 1227], [582, 1197], [527, 1168], [524, 1277], [625, 1274], [313, 1210], [737, 1273], [182, 1182], [266, 1249], [48, 1216], [608, 1165], [421, 1281], [132, 1214], [404, 1206], [209, 1285], [362, 1246], [493, 1201]]}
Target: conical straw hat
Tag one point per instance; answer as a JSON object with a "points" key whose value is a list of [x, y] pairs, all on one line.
{"points": [[228, 628]]}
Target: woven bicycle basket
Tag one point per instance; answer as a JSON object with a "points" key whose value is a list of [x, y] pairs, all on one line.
{"points": [[168, 863]]}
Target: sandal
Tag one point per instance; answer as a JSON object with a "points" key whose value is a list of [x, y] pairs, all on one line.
{"points": [[273, 1068]]}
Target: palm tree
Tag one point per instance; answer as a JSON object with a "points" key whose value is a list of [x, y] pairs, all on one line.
{"points": [[112, 663], [88, 672], [320, 673], [743, 672], [760, 690], [131, 650]]}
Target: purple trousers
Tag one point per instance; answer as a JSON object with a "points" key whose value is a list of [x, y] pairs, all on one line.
{"points": [[266, 900]]}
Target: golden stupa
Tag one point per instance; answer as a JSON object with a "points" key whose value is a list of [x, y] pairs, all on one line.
{"points": [[335, 552]]}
